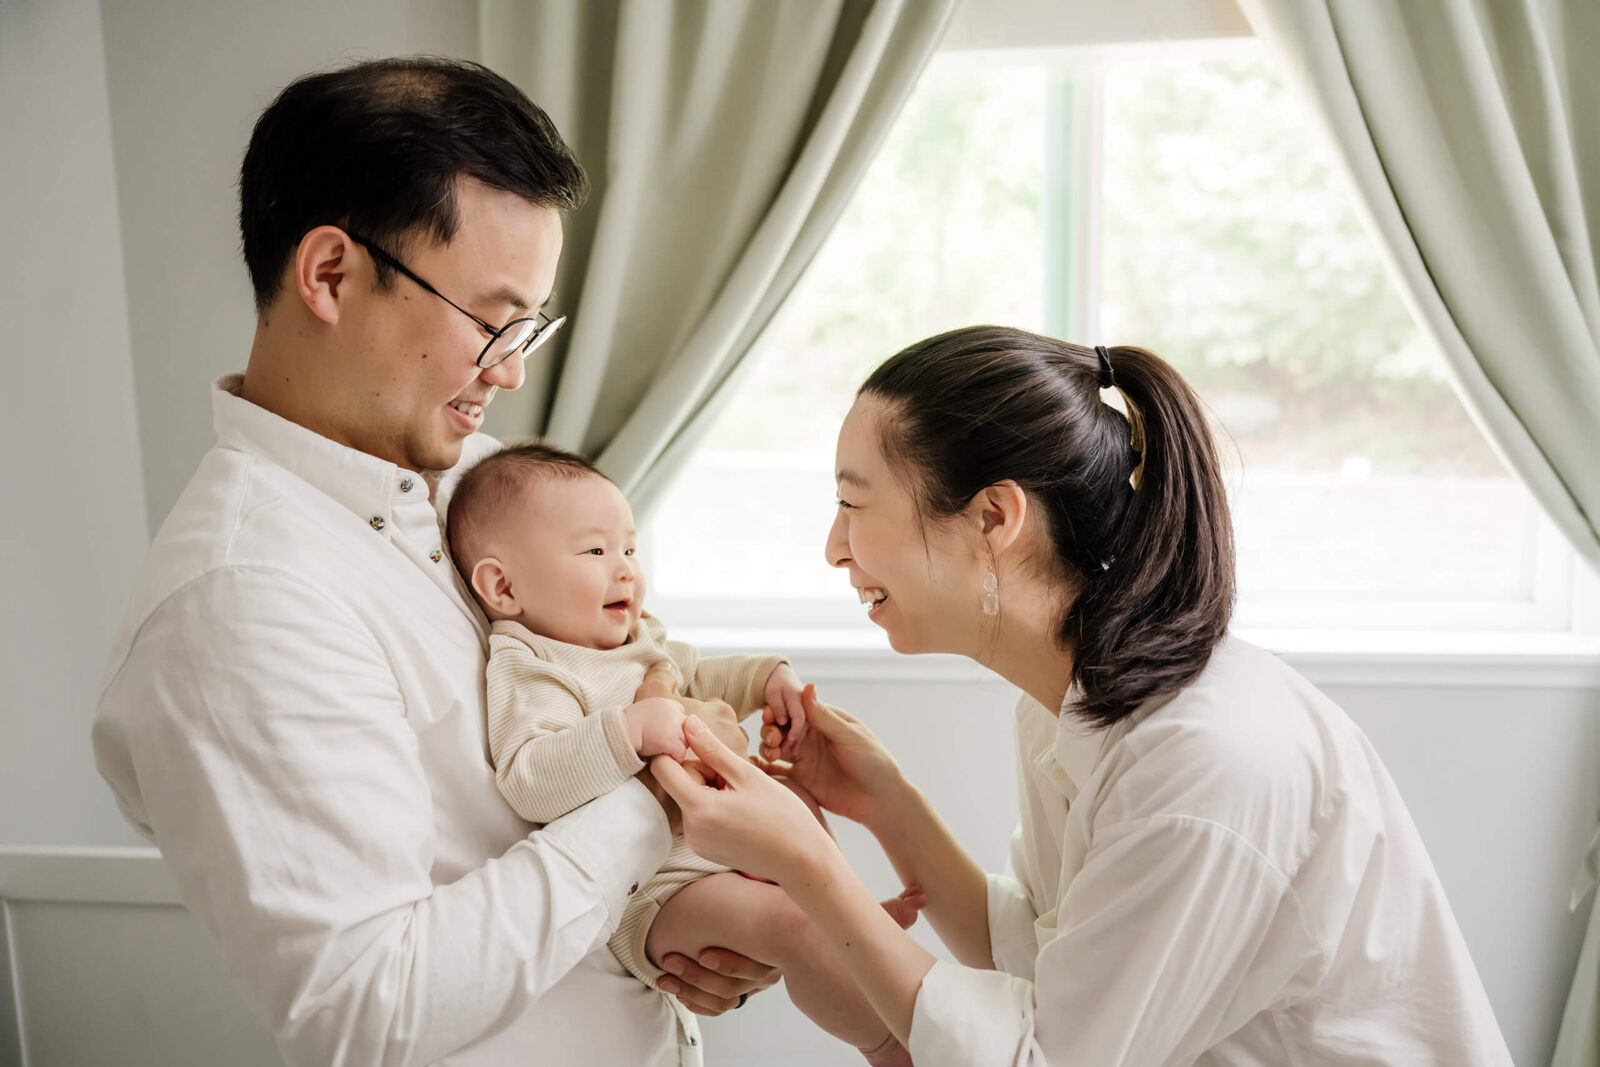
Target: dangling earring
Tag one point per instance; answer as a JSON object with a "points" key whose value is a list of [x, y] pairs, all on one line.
{"points": [[991, 592]]}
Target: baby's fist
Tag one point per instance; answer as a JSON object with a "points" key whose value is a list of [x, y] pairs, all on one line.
{"points": [[785, 710], [655, 728]]}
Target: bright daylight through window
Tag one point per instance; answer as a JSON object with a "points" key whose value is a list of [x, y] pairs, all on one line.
{"points": [[1172, 199]]}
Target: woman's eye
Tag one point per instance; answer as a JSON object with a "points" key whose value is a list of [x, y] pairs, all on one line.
{"points": [[844, 503]]}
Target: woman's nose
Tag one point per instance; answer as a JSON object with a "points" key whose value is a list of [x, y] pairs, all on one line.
{"points": [[837, 548]]}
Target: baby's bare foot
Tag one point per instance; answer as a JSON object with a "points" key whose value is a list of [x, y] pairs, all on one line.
{"points": [[903, 909]]}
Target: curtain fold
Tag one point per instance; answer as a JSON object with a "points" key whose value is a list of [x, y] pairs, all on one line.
{"points": [[723, 139], [1468, 128]]}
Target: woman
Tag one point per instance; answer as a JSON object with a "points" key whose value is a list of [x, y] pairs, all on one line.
{"points": [[1212, 864]]}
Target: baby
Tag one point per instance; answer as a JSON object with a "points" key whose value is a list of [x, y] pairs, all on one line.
{"points": [[546, 542]]}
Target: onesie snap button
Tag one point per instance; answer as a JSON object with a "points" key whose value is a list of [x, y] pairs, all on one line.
{"points": [[405, 485], [376, 522], [632, 889]]}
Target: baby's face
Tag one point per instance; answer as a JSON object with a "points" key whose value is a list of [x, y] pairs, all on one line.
{"points": [[568, 550]]}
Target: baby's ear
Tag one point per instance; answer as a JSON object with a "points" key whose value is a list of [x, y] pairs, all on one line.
{"points": [[493, 586]]}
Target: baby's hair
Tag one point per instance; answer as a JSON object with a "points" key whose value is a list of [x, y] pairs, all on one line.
{"points": [[489, 487]]}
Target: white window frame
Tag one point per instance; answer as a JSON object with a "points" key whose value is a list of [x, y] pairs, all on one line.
{"points": [[1561, 612]]}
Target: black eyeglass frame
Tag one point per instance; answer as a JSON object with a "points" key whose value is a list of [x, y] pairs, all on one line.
{"points": [[543, 325]]}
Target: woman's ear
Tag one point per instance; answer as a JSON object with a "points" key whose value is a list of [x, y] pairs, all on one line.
{"points": [[493, 586], [1001, 510]]}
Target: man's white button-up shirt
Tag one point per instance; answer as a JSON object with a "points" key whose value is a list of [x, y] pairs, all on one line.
{"points": [[294, 713], [1227, 877]]}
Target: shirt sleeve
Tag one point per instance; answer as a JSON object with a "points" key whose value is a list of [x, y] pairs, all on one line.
{"points": [[739, 680], [257, 730], [549, 756], [1012, 941], [1173, 934]]}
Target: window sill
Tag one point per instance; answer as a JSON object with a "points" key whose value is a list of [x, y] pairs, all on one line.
{"points": [[1400, 658]]}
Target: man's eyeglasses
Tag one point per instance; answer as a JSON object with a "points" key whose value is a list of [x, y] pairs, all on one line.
{"points": [[517, 337]]}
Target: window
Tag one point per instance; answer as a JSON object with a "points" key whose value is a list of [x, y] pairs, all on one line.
{"points": [[1172, 197]]}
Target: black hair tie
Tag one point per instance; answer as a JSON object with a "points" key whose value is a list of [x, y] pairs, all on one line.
{"points": [[1107, 379]]}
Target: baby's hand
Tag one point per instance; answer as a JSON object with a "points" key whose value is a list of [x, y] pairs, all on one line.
{"points": [[655, 728], [785, 709]]}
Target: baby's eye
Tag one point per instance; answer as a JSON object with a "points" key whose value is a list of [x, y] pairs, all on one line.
{"points": [[595, 552], [628, 551]]}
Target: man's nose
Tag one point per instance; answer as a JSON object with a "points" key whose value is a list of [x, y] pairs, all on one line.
{"points": [[507, 374], [837, 547]]}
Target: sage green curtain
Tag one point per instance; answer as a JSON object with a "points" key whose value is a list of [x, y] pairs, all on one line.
{"points": [[1471, 131], [723, 139]]}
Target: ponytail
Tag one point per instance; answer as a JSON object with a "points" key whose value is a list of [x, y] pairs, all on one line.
{"points": [[1147, 623]]}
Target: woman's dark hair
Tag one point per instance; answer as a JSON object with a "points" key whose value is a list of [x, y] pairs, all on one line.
{"points": [[377, 148], [1152, 568]]}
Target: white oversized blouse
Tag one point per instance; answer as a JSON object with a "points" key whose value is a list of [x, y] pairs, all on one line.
{"points": [[1226, 877]]}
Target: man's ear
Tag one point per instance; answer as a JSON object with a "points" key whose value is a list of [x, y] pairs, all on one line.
{"points": [[493, 586], [1001, 508], [322, 265]]}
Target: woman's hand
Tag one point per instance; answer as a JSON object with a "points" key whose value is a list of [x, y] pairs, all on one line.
{"points": [[838, 761], [753, 823]]}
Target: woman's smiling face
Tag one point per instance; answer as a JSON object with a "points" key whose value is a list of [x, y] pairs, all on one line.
{"points": [[922, 579]]}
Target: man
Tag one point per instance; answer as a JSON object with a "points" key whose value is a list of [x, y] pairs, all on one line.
{"points": [[294, 709]]}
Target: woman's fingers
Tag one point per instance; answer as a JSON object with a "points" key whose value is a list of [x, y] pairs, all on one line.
{"points": [[679, 782], [720, 757]]}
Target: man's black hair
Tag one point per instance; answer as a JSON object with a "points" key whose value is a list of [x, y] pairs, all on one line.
{"points": [[377, 148]]}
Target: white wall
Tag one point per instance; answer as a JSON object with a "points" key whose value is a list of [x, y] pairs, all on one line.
{"points": [[72, 528], [187, 80], [110, 414]]}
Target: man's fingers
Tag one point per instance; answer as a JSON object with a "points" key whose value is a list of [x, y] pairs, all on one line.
{"points": [[697, 1001], [752, 975], [707, 991]]}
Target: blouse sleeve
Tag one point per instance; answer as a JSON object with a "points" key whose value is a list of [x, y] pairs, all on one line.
{"points": [[1012, 942], [1173, 934]]}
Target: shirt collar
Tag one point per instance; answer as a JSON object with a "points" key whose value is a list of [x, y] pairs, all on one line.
{"points": [[1078, 747], [361, 482]]}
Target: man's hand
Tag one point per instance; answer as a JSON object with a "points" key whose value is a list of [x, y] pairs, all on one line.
{"points": [[785, 709], [655, 727], [661, 680], [714, 984]]}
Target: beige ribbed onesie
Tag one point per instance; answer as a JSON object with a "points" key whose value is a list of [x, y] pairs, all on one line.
{"points": [[558, 739]]}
